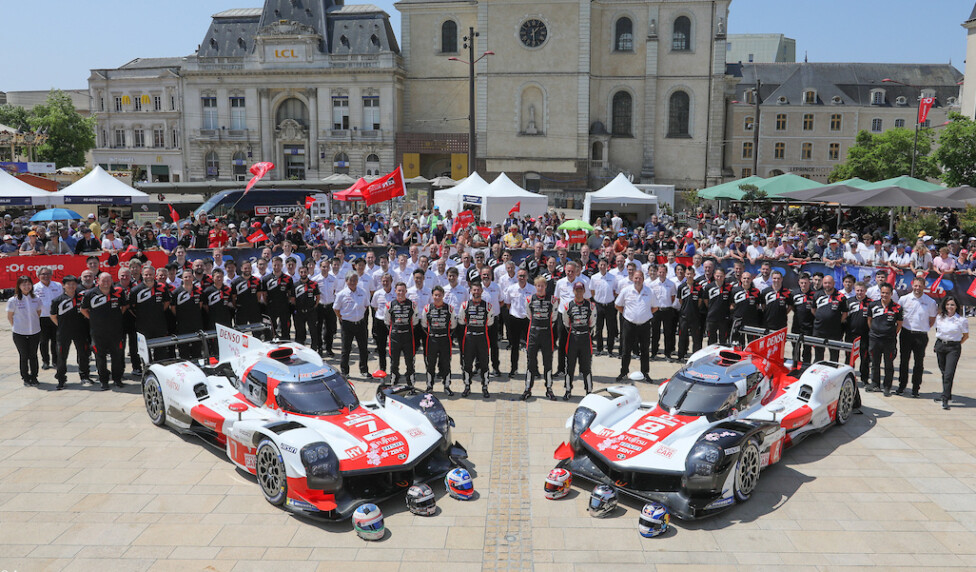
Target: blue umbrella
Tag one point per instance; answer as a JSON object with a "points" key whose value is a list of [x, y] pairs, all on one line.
{"points": [[55, 214]]}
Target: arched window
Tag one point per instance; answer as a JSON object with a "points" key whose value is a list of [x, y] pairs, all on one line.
{"points": [[449, 37], [679, 114], [213, 165], [748, 123], [597, 154], [240, 166], [681, 34], [372, 164], [623, 111], [624, 35], [340, 163], [292, 108]]}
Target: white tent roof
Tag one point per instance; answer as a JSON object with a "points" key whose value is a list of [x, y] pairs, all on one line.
{"points": [[99, 187], [450, 199], [15, 191], [619, 191], [502, 186]]}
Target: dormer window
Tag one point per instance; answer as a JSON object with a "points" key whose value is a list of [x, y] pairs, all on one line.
{"points": [[344, 41], [928, 93], [751, 97], [950, 101], [782, 100], [213, 43], [901, 100], [878, 97], [374, 40], [809, 97], [242, 43], [837, 100]]}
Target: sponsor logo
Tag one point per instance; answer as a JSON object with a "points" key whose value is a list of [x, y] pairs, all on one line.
{"points": [[301, 505], [716, 436], [289, 448], [98, 300], [378, 434], [621, 456], [354, 452], [665, 451], [249, 461], [415, 432], [402, 456], [732, 450], [720, 503], [604, 432]]}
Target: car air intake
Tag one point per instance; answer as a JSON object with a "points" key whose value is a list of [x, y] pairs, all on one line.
{"points": [[200, 391], [805, 392], [280, 354], [726, 357]]}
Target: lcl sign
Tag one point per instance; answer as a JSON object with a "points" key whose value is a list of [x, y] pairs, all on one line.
{"points": [[285, 53]]}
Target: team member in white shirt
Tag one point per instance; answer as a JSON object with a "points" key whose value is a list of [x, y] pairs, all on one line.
{"points": [[664, 318], [951, 331], [327, 292], [24, 315], [564, 292], [603, 287], [874, 292], [350, 307], [381, 331], [764, 278], [918, 315], [636, 304], [515, 296], [47, 290], [491, 293], [419, 294]]}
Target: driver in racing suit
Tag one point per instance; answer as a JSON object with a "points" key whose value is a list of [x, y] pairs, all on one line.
{"points": [[475, 316], [72, 329], [401, 318], [437, 320], [579, 318], [542, 311]]}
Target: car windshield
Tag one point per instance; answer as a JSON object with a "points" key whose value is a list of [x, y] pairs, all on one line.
{"points": [[690, 397], [317, 396]]}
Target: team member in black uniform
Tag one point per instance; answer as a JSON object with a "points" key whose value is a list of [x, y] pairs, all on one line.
{"points": [[536, 263], [200, 275], [745, 307], [73, 328], [246, 289], [307, 310], [689, 317], [717, 298], [279, 295], [858, 311], [475, 316], [149, 304], [187, 305], [703, 281], [219, 300], [552, 274], [884, 319], [776, 302], [401, 318], [579, 319], [829, 317], [542, 309], [162, 278], [127, 283], [104, 306], [437, 321], [803, 312]]}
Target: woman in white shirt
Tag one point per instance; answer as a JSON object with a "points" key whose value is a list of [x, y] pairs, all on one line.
{"points": [[951, 331], [24, 314]]}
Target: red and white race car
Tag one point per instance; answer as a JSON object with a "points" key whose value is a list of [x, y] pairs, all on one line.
{"points": [[726, 415], [295, 423]]}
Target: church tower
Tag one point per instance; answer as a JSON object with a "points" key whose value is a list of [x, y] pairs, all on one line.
{"points": [[969, 85]]}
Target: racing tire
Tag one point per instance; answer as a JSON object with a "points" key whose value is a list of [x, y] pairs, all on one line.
{"points": [[845, 401], [269, 468], [152, 394], [747, 471]]}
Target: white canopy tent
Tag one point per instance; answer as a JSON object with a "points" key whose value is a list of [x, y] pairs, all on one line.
{"points": [[99, 187], [14, 192], [499, 198], [450, 199], [620, 195]]}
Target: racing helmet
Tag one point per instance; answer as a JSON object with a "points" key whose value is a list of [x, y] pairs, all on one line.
{"points": [[654, 519], [603, 501], [421, 500], [459, 484], [368, 522], [558, 483]]}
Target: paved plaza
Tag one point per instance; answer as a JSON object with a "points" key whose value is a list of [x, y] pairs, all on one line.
{"points": [[88, 483]]}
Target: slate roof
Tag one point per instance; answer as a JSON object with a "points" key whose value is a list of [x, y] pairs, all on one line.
{"points": [[851, 82], [972, 16], [146, 63], [231, 34]]}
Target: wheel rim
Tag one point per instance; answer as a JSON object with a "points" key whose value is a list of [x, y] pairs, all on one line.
{"points": [[748, 474], [270, 473], [846, 402], [154, 399]]}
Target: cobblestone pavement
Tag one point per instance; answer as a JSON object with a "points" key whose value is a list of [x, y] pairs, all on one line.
{"points": [[87, 483]]}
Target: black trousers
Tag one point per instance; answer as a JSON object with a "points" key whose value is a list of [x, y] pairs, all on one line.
{"points": [[27, 350], [883, 350], [155, 331], [806, 351], [381, 338], [438, 359], [579, 349], [635, 336], [328, 324], [606, 317], [402, 345], [49, 341], [818, 353], [110, 349], [663, 321], [82, 353], [718, 331], [474, 348], [864, 359], [912, 349], [517, 330], [688, 329], [493, 335], [280, 321], [947, 353], [129, 327], [501, 320], [561, 335], [539, 340], [354, 331], [308, 321]]}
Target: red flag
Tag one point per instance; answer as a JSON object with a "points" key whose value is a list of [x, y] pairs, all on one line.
{"points": [[308, 202], [516, 209], [935, 290], [258, 236], [577, 236], [484, 230], [385, 188], [924, 106], [972, 289], [173, 214], [462, 220], [890, 278], [259, 170]]}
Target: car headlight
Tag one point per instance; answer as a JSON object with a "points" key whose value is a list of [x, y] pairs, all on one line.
{"points": [[704, 459], [321, 467], [436, 414], [582, 419]]}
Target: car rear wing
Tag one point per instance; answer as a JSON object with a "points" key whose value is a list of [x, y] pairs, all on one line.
{"points": [[800, 340], [201, 337]]}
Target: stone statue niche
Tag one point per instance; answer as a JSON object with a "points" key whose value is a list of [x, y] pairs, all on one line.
{"points": [[531, 109]]}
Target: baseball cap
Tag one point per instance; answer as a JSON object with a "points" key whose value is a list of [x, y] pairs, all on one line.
{"points": [[7, 237], [578, 286], [833, 241], [32, 233], [877, 243], [91, 215]]}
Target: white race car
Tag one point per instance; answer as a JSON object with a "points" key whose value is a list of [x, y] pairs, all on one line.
{"points": [[726, 415], [295, 423]]}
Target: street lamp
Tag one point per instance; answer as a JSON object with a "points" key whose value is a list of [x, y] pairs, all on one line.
{"points": [[917, 110], [469, 43]]}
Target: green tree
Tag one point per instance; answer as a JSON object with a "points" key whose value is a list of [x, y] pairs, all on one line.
{"points": [[69, 135], [15, 117], [887, 155], [957, 151]]}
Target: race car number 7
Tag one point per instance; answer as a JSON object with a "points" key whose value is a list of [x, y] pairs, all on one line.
{"points": [[369, 422]]}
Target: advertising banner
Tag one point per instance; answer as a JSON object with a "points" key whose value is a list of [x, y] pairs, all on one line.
{"points": [[11, 267]]}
